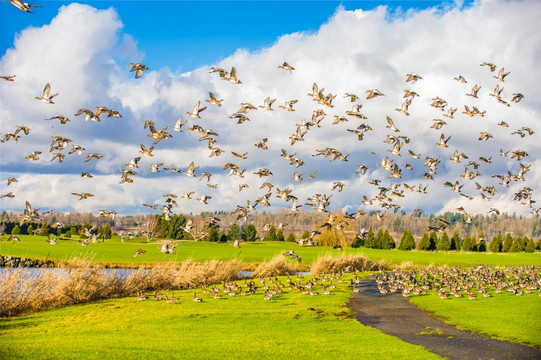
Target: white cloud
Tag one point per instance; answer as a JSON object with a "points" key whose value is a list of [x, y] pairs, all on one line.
{"points": [[355, 51]]}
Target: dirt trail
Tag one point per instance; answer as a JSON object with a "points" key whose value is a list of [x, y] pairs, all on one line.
{"points": [[396, 316]]}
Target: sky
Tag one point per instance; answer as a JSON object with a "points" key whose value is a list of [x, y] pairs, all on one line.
{"points": [[84, 50]]}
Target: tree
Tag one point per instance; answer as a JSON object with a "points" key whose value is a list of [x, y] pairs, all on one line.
{"points": [[424, 243], [369, 241], [280, 235], [173, 228], [378, 240], [444, 244], [44, 230], [234, 233], [357, 242], [291, 238], [305, 234], [518, 245], [407, 241], [433, 237], [212, 234], [496, 243], [482, 246], [249, 233], [29, 229], [223, 237], [456, 242], [271, 234], [507, 242], [16, 230], [530, 247], [387, 241], [468, 244]]}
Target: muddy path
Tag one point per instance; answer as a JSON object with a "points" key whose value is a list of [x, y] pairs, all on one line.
{"points": [[395, 315]]}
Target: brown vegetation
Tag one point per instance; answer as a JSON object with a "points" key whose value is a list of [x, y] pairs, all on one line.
{"points": [[277, 266], [350, 263], [82, 282]]}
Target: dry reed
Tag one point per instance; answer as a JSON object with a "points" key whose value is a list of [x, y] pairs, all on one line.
{"points": [[350, 263], [277, 266], [22, 292]]}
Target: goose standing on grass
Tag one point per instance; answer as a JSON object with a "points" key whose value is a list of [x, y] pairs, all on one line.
{"points": [[196, 299]]}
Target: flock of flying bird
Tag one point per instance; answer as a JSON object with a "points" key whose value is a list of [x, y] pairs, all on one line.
{"points": [[318, 202]]}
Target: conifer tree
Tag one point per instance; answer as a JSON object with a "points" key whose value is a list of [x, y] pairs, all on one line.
{"points": [[496, 243], [530, 247], [291, 238], [407, 241], [468, 244], [456, 242], [444, 244], [507, 242], [424, 243]]}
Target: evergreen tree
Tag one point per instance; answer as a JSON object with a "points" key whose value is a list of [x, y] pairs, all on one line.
{"points": [[378, 240], [271, 234], [249, 233], [16, 230], [305, 234], [234, 233], [482, 246], [212, 234], [407, 241], [530, 247], [468, 244], [357, 242], [223, 237], [518, 245], [456, 242], [387, 241], [507, 242], [29, 229], [369, 241], [44, 230], [496, 243], [433, 238], [444, 244], [291, 238], [424, 243], [280, 235]]}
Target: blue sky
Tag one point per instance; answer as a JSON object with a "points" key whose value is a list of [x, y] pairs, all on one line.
{"points": [[84, 50], [184, 35]]}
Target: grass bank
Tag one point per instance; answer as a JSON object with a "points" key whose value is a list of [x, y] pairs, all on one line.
{"points": [[116, 254], [290, 325]]}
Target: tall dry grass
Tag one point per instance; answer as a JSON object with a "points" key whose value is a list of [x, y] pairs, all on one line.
{"points": [[21, 292], [277, 266], [347, 263]]}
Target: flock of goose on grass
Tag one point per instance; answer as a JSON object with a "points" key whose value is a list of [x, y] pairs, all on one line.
{"points": [[458, 282], [267, 287], [318, 202]]}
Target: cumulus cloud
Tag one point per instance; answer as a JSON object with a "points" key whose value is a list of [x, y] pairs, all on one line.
{"points": [[84, 55]]}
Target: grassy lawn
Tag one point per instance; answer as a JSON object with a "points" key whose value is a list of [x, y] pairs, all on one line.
{"points": [[504, 316], [291, 325], [113, 251]]}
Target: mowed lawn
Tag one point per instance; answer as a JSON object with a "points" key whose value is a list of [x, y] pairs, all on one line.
{"points": [[291, 325], [504, 316], [113, 251]]}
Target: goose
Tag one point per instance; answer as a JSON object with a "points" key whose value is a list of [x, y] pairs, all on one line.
{"points": [[178, 125], [146, 151], [413, 78], [138, 68], [232, 76], [213, 100], [497, 91], [141, 296], [517, 97], [138, 252], [460, 78], [155, 167], [491, 66], [374, 93], [288, 106], [443, 141], [203, 199], [133, 162], [190, 171], [450, 113], [58, 156], [196, 299], [46, 97], [196, 110], [8, 78], [93, 155], [286, 66], [501, 75], [474, 91], [8, 195], [83, 195], [262, 144], [76, 148], [63, 119], [485, 136]]}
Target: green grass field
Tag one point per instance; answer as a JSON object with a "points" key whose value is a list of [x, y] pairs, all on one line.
{"points": [[504, 316], [113, 251], [289, 326]]}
